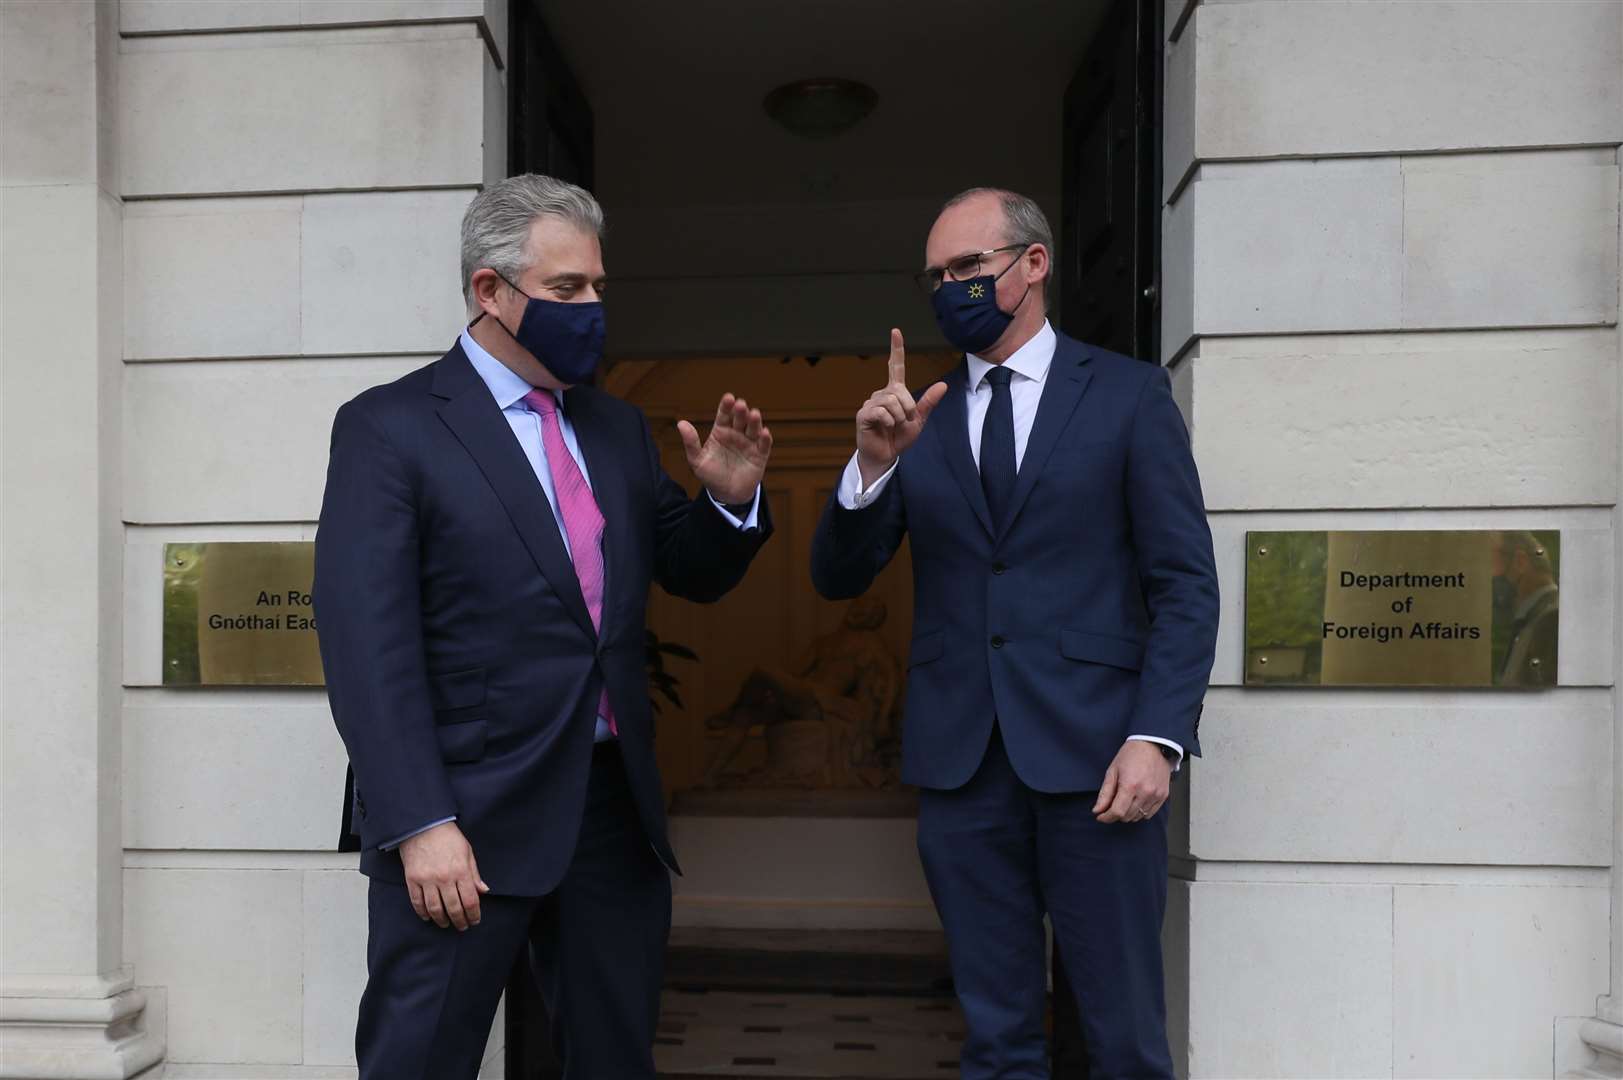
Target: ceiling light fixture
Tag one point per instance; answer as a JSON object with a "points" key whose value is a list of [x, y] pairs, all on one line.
{"points": [[820, 108]]}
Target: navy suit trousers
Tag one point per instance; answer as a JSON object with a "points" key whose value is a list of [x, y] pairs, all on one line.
{"points": [[998, 857], [596, 945]]}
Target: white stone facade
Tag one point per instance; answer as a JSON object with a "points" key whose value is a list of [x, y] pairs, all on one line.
{"points": [[1391, 244], [1391, 271]]}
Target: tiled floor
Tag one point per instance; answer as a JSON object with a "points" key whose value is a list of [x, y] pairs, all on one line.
{"points": [[873, 1037]]}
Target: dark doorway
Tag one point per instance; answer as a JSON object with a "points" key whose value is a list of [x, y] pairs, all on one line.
{"points": [[1108, 235]]}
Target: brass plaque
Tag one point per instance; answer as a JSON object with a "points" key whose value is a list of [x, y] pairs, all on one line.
{"points": [[239, 614], [1477, 608]]}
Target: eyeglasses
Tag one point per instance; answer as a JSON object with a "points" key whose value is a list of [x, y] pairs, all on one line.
{"points": [[963, 268]]}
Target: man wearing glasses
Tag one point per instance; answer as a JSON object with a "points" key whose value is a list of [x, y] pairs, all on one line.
{"points": [[1065, 622]]}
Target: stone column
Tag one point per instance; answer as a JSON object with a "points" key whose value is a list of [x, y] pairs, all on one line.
{"points": [[67, 1005], [1598, 1043], [1595, 1044]]}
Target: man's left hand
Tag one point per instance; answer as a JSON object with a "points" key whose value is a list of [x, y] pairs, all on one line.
{"points": [[732, 459], [1135, 785]]}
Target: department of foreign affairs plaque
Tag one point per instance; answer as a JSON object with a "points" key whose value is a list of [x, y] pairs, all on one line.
{"points": [[1402, 608], [238, 614]]}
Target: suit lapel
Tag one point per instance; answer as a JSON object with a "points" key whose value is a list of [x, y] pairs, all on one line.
{"points": [[471, 414], [1068, 378], [951, 420], [598, 447]]}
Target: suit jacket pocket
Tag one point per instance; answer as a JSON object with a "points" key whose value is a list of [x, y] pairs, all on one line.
{"points": [[926, 647], [461, 742], [457, 689], [1102, 649]]}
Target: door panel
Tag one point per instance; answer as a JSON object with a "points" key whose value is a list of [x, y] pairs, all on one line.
{"points": [[549, 118], [1110, 238]]}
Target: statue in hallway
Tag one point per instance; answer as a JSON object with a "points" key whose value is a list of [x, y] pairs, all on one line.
{"points": [[829, 723]]}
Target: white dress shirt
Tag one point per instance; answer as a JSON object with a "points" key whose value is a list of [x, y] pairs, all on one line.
{"points": [[1029, 366], [509, 389]]}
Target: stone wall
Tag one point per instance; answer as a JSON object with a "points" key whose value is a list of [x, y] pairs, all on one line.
{"points": [[1392, 294]]}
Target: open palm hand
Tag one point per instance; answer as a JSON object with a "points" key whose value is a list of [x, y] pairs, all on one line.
{"points": [[732, 459]]}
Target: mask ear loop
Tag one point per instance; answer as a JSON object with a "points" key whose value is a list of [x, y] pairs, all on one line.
{"points": [[526, 296], [999, 277]]}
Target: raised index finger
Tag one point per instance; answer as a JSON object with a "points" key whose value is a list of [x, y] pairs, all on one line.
{"points": [[898, 359]]}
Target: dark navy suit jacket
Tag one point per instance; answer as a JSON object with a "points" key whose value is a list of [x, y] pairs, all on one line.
{"points": [[461, 662], [1089, 616]]}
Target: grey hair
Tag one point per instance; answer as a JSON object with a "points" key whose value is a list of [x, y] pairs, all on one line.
{"points": [[496, 225], [1024, 221]]}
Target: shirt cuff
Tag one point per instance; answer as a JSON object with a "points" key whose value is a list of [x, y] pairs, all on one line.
{"points": [[397, 841], [851, 494], [749, 520], [1176, 765]]}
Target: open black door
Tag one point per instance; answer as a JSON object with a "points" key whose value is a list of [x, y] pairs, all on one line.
{"points": [[549, 131], [1110, 260], [549, 119], [1110, 219]]}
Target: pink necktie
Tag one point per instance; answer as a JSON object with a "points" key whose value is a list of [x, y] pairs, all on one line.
{"points": [[583, 521]]}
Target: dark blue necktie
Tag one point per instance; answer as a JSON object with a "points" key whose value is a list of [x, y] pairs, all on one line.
{"points": [[997, 446]]}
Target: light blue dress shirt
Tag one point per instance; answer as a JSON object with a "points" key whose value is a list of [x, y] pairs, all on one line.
{"points": [[509, 389]]}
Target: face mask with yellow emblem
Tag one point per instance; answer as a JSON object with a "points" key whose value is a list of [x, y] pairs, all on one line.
{"points": [[967, 311]]}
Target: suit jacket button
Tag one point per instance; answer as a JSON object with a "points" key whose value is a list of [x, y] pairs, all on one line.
{"points": [[997, 641], [998, 568]]}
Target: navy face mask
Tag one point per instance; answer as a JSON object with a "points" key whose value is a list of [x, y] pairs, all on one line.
{"points": [[967, 311], [567, 339]]}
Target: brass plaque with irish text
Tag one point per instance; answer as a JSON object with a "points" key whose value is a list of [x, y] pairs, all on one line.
{"points": [[239, 614]]}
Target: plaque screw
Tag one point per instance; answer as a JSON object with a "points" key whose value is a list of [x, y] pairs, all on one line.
{"points": [[1535, 661], [1538, 551], [1262, 660], [1262, 551]]}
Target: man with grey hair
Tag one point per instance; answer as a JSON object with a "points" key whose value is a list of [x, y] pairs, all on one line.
{"points": [[1065, 621], [491, 526]]}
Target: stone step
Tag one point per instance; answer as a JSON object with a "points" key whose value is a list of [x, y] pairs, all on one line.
{"points": [[912, 963]]}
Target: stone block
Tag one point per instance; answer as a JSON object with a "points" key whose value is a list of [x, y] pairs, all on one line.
{"points": [[1510, 239], [227, 946], [1290, 980], [1393, 421], [205, 115], [380, 272], [1437, 777], [253, 771], [1480, 974], [1506, 240], [1321, 243], [212, 277], [244, 441], [1351, 77]]}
